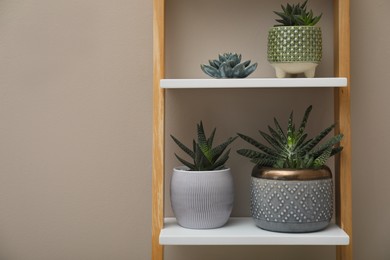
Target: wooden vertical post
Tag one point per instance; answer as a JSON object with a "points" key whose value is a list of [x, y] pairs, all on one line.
{"points": [[158, 129], [342, 109]]}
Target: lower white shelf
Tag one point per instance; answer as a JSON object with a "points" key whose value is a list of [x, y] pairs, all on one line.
{"points": [[253, 83], [243, 231]]}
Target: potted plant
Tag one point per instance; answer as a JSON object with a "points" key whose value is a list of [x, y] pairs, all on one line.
{"points": [[295, 45], [228, 65], [291, 188], [202, 190]]}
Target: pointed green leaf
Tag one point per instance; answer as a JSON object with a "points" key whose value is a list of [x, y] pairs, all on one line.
{"points": [[304, 120], [253, 154], [280, 131], [202, 161], [183, 147], [222, 160], [210, 140], [304, 4], [336, 150], [299, 142], [276, 136], [189, 165], [262, 147], [279, 148], [321, 160], [263, 162], [309, 146], [218, 150], [202, 141], [283, 8], [328, 144]]}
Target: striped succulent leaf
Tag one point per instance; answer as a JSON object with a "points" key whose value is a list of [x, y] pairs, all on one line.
{"points": [[297, 15]]}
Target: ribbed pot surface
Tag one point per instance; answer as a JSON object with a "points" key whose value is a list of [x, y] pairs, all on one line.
{"points": [[202, 199]]}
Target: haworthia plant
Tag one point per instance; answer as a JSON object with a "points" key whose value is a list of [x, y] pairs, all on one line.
{"points": [[204, 156], [292, 149], [297, 15]]}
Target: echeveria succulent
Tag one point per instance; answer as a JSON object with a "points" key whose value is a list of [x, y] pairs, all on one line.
{"points": [[228, 65]]}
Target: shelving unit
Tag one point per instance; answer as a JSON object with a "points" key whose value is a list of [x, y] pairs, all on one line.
{"points": [[241, 231]]}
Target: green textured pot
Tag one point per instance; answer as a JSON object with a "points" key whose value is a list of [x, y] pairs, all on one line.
{"points": [[294, 49]]}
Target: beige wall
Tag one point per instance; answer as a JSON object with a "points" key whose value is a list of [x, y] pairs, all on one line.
{"points": [[75, 131], [371, 128], [75, 124]]}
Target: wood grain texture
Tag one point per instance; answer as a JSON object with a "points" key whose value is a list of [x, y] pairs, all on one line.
{"points": [[158, 129], [342, 110]]}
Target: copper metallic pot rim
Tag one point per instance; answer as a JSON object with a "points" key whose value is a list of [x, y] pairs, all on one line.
{"points": [[291, 174]]}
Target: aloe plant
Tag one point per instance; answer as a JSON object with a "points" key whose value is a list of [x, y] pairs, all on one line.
{"points": [[228, 65], [204, 156], [297, 15], [292, 149]]}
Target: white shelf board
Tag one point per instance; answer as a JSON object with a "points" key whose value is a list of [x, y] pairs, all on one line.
{"points": [[253, 83], [243, 231]]}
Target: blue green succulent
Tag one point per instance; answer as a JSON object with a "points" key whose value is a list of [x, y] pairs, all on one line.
{"points": [[229, 65]]}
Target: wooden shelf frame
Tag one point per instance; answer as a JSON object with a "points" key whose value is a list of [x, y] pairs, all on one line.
{"points": [[342, 114], [342, 117]]}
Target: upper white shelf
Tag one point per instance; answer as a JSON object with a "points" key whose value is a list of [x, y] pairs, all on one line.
{"points": [[242, 231], [253, 83]]}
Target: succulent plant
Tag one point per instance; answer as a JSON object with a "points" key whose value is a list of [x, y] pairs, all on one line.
{"points": [[228, 65], [291, 149], [204, 156], [297, 15]]}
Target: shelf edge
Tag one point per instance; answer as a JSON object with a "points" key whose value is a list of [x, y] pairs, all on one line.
{"points": [[254, 83], [242, 231]]}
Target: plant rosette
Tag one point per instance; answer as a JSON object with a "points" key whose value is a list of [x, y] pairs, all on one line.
{"points": [[228, 65], [202, 199], [291, 200], [294, 49]]}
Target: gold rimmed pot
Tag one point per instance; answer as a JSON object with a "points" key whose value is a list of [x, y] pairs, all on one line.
{"points": [[292, 200]]}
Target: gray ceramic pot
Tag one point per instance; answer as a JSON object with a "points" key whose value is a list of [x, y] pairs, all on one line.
{"points": [[202, 199], [288, 200]]}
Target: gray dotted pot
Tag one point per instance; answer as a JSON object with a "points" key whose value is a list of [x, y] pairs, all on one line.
{"points": [[288, 200], [201, 199]]}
